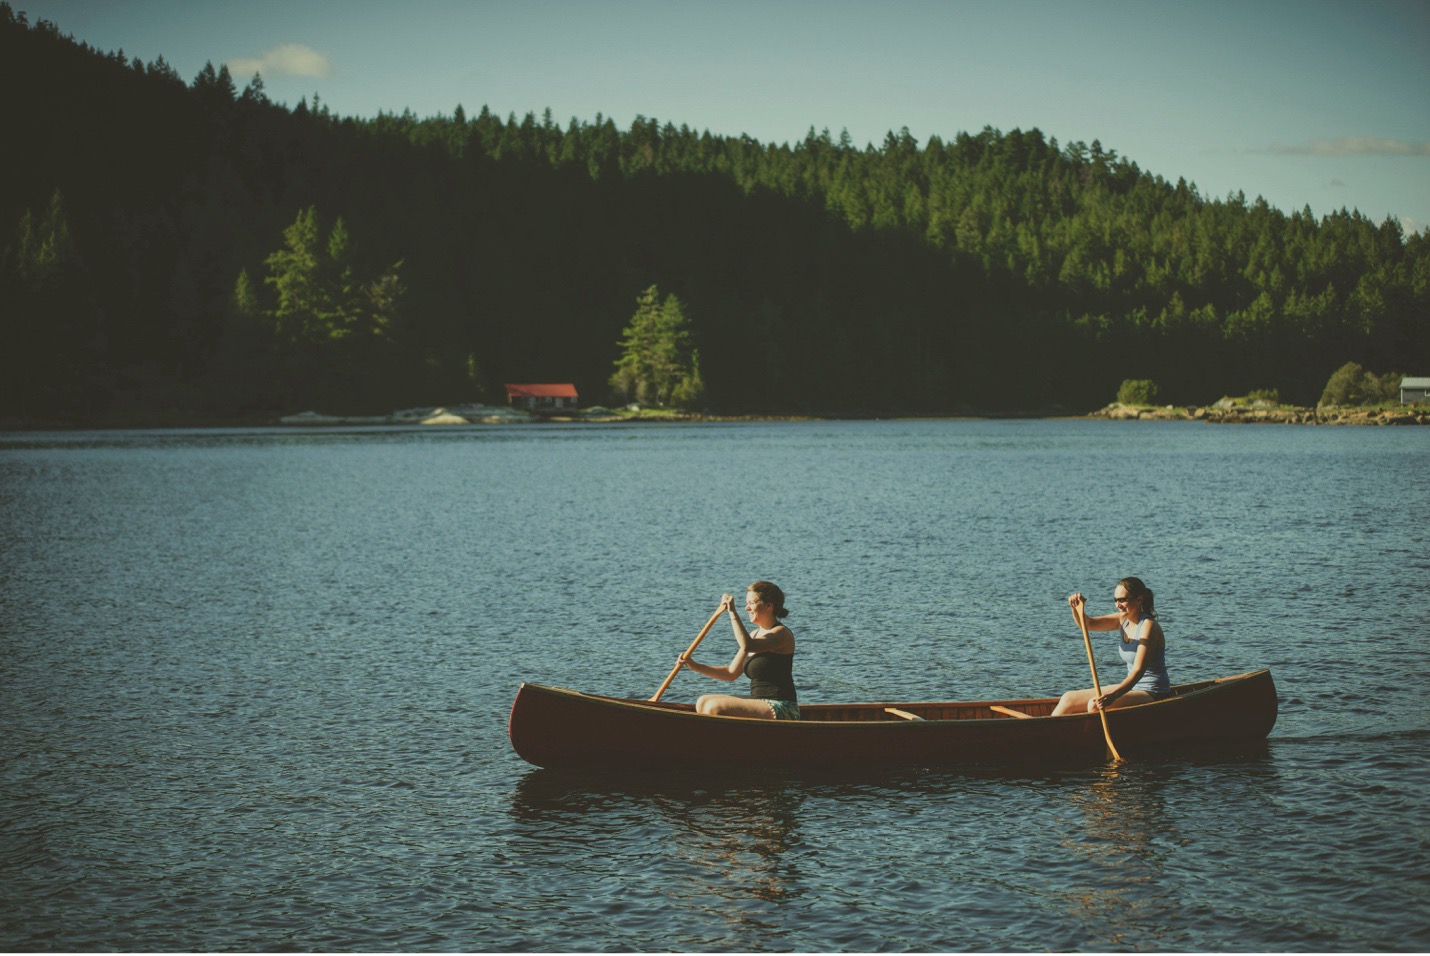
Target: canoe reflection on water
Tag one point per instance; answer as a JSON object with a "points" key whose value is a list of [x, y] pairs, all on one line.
{"points": [[732, 832], [745, 838], [745, 813]]}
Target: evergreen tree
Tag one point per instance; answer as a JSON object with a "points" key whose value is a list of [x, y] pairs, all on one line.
{"points": [[332, 324], [658, 364], [295, 273], [254, 93]]}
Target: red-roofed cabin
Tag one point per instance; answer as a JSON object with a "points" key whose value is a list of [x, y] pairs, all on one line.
{"points": [[541, 398]]}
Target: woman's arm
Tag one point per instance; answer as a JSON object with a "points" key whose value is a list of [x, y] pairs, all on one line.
{"points": [[736, 667], [1102, 622], [742, 636]]}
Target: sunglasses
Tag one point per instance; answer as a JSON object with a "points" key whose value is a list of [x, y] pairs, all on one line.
{"points": [[1121, 600]]}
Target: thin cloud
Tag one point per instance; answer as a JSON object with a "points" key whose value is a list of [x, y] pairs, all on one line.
{"points": [[1353, 146], [290, 59]]}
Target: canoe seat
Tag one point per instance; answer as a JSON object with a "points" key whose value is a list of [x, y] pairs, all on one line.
{"points": [[902, 713], [1009, 711]]}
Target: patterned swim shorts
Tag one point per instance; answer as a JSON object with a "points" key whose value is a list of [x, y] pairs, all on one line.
{"points": [[784, 709]]}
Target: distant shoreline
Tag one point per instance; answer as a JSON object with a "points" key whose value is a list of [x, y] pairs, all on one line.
{"points": [[1231, 414]]}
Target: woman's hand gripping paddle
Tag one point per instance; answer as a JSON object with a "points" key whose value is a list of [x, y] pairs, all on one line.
{"points": [[691, 650]]}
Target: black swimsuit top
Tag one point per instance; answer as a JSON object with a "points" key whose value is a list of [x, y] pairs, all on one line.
{"points": [[771, 676]]}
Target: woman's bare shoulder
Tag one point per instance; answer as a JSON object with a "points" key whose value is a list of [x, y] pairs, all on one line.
{"points": [[1148, 630], [778, 639]]}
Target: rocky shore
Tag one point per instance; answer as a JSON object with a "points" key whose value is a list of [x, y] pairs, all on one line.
{"points": [[427, 415], [471, 414], [1232, 413]]}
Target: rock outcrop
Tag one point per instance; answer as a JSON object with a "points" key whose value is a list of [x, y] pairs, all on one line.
{"points": [[1226, 412]]}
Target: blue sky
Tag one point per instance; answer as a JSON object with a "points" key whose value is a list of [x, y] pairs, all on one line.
{"points": [[1319, 103]]}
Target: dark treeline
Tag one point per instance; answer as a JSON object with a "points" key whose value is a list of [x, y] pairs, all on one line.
{"points": [[173, 245]]}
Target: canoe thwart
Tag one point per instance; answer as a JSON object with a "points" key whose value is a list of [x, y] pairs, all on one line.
{"points": [[1009, 711], [902, 713]]}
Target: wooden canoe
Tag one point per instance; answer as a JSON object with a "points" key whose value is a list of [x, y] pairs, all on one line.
{"points": [[557, 728]]}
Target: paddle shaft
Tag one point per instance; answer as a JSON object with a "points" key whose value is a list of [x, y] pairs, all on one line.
{"points": [[691, 650], [1096, 685]]}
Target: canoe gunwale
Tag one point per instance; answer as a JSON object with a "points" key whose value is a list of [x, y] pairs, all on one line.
{"points": [[1180, 692]]}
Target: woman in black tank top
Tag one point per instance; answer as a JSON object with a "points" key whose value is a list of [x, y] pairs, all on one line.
{"points": [[766, 657]]}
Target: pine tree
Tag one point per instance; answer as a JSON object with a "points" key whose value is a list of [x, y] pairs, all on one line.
{"points": [[295, 273], [658, 363]]}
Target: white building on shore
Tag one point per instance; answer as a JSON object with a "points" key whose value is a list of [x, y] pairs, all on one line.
{"points": [[1414, 390]]}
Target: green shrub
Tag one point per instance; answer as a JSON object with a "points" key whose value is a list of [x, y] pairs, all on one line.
{"points": [[1271, 396], [1344, 386], [1353, 385], [1383, 388], [1137, 391]]}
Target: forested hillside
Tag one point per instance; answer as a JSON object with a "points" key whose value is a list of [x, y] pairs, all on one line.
{"points": [[173, 245]]}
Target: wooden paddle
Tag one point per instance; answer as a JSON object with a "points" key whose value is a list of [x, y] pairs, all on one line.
{"points": [[1096, 685], [691, 650]]}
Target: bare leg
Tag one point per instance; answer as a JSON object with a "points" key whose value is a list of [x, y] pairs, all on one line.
{"points": [[723, 705], [1074, 702], [1130, 698]]}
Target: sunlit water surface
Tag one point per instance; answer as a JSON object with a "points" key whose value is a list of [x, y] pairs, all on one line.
{"points": [[255, 686]]}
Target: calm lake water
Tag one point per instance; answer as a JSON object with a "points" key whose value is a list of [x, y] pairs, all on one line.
{"points": [[255, 686]]}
